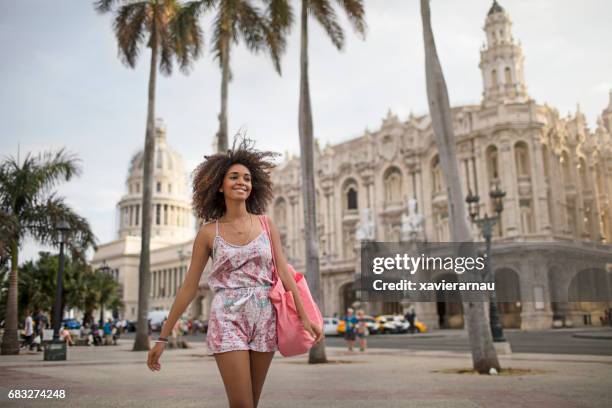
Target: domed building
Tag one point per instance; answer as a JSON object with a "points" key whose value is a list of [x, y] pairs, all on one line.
{"points": [[171, 212], [173, 229]]}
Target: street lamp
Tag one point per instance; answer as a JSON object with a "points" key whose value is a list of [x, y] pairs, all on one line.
{"points": [[105, 269], [56, 351], [485, 224]]}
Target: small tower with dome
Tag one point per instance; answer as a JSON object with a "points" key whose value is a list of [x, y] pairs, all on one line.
{"points": [[172, 219], [501, 61]]}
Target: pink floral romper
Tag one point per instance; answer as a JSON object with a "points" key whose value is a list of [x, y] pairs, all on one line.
{"points": [[241, 316]]}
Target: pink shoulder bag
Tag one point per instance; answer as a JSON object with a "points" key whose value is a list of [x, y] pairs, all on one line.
{"points": [[292, 338]]}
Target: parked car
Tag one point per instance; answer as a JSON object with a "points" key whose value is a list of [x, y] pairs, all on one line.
{"points": [[71, 324], [341, 327], [403, 326], [386, 324], [330, 326], [131, 326], [420, 326]]}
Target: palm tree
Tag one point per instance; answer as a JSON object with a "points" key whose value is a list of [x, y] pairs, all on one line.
{"points": [[134, 23], [325, 14], [484, 356], [260, 31], [31, 209]]}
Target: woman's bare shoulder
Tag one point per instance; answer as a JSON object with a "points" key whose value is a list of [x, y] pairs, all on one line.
{"points": [[207, 233]]}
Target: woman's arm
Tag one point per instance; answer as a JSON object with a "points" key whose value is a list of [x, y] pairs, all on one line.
{"points": [[289, 283], [189, 288]]}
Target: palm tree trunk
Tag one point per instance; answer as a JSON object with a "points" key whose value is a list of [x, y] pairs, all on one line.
{"points": [[484, 356], [222, 145], [141, 341], [317, 353], [10, 339]]}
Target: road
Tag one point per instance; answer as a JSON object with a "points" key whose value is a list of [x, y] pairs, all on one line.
{"points": [[546, 341]]}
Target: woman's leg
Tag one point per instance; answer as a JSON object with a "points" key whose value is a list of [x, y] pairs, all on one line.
{"points": [[260, 362], [236, 374]]}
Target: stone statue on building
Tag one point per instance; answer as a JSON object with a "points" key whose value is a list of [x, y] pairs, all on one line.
{"points": [[365, 228], [412, 224]]}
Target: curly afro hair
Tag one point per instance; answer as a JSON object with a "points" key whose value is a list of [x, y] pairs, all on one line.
{"points": [[209, 202]]}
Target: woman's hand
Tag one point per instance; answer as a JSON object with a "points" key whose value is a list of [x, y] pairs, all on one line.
{"points": [[154, 355], [313, 330]]}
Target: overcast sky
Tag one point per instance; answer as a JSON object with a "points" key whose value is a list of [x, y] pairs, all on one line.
{"points": [[63, 86]]}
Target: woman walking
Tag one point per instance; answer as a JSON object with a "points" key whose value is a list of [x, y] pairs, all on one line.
{"points": [[230, 193]]}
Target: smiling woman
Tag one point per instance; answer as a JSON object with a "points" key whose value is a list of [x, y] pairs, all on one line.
{"points": [[233, 189]]}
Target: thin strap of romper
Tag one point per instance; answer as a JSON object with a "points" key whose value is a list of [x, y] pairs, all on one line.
{"points": [[217, 225]]}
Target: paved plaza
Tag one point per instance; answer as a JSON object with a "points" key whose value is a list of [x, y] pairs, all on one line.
{"points": [[114, 376]]}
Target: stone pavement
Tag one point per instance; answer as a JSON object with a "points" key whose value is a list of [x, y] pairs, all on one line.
{"points": [[117, 377]]}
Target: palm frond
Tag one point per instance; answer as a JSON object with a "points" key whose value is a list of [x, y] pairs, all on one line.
{"points": [[251, 25], [54, 167], [104, 6], [279, 19], [187, 34], [356, 14], [325, 14], [130, 23], [41, 220]]}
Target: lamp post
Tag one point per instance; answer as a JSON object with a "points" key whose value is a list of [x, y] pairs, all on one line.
{"points": [[56, 351], [104, 269], [485, 224]]}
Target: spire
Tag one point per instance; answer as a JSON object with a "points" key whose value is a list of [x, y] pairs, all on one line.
{"points": [[495, 8]]}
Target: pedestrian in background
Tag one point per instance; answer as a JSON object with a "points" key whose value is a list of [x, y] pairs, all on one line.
{"points": [[411, 318], [28, 330], [362, 330], [350, 324]]}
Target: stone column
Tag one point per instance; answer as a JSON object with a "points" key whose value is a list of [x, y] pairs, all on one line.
{"points": [[510, 214], [540, 188], [535, 292]]}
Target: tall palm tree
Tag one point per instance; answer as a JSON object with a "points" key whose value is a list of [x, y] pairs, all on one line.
{"points": [[137, 23], [484, 356], [324, 13], [31, 209], [261, 30]]}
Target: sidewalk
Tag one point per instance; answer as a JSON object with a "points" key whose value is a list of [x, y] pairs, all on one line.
{"points": [[118, 377]]}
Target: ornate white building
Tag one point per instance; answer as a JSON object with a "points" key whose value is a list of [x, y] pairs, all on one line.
{"points": [[556, 172], [557, 175]]}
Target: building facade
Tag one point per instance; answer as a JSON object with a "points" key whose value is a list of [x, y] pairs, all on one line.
{"points": [[557, 175]]}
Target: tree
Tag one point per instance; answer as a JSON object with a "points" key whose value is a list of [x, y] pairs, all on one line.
{"points": [[260, 31], [325, 14], [484, 356], [30, 208], [153, 21]]}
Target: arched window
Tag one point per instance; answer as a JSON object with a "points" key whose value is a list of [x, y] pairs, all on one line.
{"points": [[436, 175], [492, 163], [521, 155], [494, 78], [351, 198], [393, 186], [350, 195], [508, 75]]}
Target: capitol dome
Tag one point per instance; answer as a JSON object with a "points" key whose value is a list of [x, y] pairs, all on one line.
{"points": [[172, 217]]}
